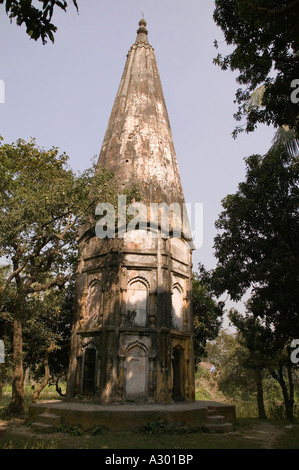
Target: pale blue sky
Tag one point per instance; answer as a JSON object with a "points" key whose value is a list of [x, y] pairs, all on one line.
{"points": [[62, 93]]}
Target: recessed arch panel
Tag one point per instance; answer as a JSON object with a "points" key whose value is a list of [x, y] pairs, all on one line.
{"points": [[177, 307], [137, 301], [136, 382]]}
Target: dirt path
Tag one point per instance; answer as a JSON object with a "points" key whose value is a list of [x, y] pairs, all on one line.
{"points": [[266, 434]]}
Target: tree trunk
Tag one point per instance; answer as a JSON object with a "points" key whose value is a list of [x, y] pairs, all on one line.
{"points": [[58, 389], [291, 385], [291, 393], [285, 394], [1, 379], [288, 400], [260, 394], [46, 378], [17, 404]]}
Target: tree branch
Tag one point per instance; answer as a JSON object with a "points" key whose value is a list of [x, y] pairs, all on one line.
{"points": [[275, 12], [45, 381], [68, 226], [14, 274], [58, 282]]}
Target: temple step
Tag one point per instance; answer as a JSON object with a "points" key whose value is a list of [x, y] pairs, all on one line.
{"points": [[221, 428], [217, 423], [46, 423]]}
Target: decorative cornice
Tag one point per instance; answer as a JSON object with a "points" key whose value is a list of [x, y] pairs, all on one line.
{"points": [[137, 45]]}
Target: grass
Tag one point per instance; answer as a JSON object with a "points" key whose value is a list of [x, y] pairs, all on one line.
{"points": [[243, 438], [49, 393], [247, 434], [290, 439]]}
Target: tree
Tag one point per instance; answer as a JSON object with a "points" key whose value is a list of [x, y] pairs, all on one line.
{"points": [[264, 35], [229, 355], [207, 315], [277, 329], [282, 369], [266, 352], [42, 204], [47, 336], [258, 246], [258, 249], [5, 332], [257, 341], [37, 20]]}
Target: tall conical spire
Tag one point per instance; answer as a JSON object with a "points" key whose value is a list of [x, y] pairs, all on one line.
{"points": [[132, 338], [138, 145]]}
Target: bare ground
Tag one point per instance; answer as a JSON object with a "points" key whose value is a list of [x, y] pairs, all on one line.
{"points": [[265, 434]]}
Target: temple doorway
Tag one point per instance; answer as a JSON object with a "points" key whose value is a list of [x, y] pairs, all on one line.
{"points": [[136, 374], [178, 388], [89, 371]]}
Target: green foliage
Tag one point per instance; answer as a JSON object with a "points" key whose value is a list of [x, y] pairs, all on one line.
{"points": [[37, 20], [42, 203], [265, 42], [73, 430], [155, 427], [48, 322], [97, 431], [159, 426], [276, 410], [206, 385], [206, 316], [234, 380], [258, 246], [42, 206], [258, 249]]}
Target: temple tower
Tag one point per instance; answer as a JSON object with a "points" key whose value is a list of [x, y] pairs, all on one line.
{"points": [[132, 335]]}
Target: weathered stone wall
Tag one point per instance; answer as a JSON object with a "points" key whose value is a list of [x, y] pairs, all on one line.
{"points": [[134, 311]]}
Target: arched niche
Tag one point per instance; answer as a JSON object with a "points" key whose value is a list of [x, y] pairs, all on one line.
{"points": [[93, 301], [177, 307], [137, 302], [136, 372]]}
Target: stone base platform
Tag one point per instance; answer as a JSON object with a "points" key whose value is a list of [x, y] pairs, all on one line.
{"points": [[129, 417]]}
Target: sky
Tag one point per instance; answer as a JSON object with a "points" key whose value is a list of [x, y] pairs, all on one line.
{"points": [[62, 94]]}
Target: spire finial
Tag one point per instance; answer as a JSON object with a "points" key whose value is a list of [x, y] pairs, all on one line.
{"points": [[142, 31]]}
